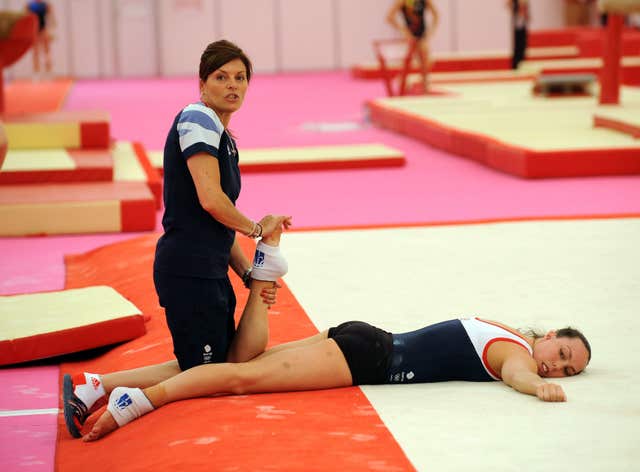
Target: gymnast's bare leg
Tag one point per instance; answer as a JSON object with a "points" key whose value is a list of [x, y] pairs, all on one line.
{"points": [[310, 364]]}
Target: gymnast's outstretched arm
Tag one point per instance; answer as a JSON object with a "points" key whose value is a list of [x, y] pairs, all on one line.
{"points": [[519, 372]]}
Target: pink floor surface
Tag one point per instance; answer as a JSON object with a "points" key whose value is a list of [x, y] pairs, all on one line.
{"points": [[283, 110]]}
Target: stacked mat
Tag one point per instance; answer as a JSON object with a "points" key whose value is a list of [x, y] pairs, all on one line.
{"points": [[279, 159], [40, 325], [63, 175]]}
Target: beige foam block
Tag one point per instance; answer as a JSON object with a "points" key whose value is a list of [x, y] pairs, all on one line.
{"points": [[73, 217], [317, 154], [126, 166], [31, 314], [156, 158], [40, 160], [73, 208], [26, 135], [536, 66], [539, 274], [553, 51], [306, 154]]}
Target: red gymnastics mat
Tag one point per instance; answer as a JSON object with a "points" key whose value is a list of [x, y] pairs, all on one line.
{"points": [[311, 431], [25, 96]]}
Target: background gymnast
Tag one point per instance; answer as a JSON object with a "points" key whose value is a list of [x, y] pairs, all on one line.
{"points": [[356, 353], [416, 29], [42, 46]]}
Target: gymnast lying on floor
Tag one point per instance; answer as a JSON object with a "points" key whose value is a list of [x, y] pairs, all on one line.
{"points": [[353, 353]]}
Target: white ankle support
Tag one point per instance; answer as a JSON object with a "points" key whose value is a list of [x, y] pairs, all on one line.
{"points": [[91, 391], [127, 404], [268, 263]]}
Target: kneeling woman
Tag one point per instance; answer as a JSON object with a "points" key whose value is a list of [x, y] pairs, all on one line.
{"points": [[356, 353]]}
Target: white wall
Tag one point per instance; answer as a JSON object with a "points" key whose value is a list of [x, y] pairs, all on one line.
{"points": [[183, 25], [547, 14], [133, 38], [136, 36], [252, 24], [482, 25]]}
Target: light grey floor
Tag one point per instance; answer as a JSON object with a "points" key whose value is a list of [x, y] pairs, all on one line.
{"points": [[542, 274]]}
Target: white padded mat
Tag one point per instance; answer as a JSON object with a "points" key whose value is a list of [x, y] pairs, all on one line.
{"points": [[541, 274], [36, 313], [306, 154], [38, 159], [126, 166], [508, 112]]}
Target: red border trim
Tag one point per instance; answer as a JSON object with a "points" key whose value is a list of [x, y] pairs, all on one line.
{"points": [[366, 163], [616, 125], [95, 135], [41, 346], [485, 360], [467, 222], [154, 181]]}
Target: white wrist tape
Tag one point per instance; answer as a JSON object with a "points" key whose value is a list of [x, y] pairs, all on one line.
{"points": [[127, 404], [268, 263]]}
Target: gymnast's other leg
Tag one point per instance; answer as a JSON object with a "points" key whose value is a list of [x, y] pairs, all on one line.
{"points": [[37, 48], [252, 335], [424, 58], [313, 366], [46, 47]]}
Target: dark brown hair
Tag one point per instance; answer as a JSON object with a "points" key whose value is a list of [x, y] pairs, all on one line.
{"points": [[567, 332], [218, 54]]}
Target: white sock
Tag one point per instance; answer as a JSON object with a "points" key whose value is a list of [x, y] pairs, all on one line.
{"points": [[91, 391], [127, 404], [268, 263]]}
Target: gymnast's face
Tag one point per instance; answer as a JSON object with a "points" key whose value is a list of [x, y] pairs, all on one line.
{"points": [[225, 88], [559, 357]]}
